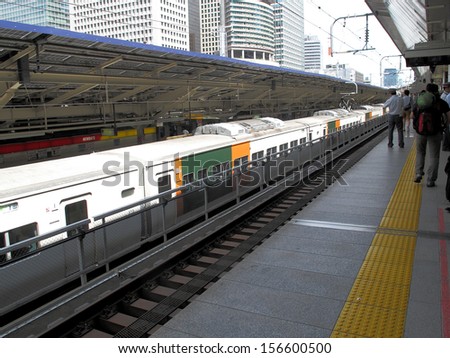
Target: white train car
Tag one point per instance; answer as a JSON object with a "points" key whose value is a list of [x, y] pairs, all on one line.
{"points": [[38, 198], [98, 189]]}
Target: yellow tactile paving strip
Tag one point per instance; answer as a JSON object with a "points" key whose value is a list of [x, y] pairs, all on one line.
{"points": [[377, 303]]}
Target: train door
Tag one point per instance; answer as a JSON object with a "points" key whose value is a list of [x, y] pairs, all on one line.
{"points": [[73, 210], [164, 214], [165, 181]]}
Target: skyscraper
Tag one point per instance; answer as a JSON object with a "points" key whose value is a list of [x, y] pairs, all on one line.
{"points": [[195, 41], [390, 77], [53, 13], [289, 33], [262, 31], [241, 29], [313, 54], [212, 27], [158, 22], [250, 30]]}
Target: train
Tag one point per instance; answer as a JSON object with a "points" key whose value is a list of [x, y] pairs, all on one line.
{"points": [[52, 211], [22, 151]]}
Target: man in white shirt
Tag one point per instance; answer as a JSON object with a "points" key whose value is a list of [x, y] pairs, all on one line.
{"points": [[446, 94], [395, 105], [446, 88]]}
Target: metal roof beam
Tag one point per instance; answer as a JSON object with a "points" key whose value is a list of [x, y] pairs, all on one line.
{"points": [[17, 56], [70, 94], [9, 93]]}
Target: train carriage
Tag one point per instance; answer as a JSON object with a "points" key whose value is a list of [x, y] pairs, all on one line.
{"points": [[60, 192], [39, 198]]}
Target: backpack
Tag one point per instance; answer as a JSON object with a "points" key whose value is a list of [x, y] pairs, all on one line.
{"points": [[425, 100], [425, 124], [427, 117]]}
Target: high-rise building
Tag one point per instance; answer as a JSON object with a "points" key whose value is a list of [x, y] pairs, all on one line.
{"points": [[212, 27], [313, 54], [241, 29], [289, 33], [250, 30], [390, 77], [53, 13], [262, 31], [158, 22], [195, 41]]}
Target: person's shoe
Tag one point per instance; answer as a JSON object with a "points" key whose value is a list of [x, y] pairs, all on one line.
{"points": [[430, 183], [418, 179], [390, 145]]}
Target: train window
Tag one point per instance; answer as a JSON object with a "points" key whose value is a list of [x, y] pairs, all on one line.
{"points": [[283, 148], [224, 169], [294, 143], [188, 178], [75, 212], [127, 192], [257, 155], [241, 162], [16, 235], [302, 140], [271, 151], [215, 169], [202, 173], [163, 186]]}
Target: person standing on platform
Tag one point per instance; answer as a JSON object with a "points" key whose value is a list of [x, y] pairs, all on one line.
{"points": [[407, 105], [438, 113], [446, 94], [395, 105], [446, 88]]}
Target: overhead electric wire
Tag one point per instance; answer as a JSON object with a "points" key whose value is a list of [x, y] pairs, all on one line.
{"points": [[320, 8]]}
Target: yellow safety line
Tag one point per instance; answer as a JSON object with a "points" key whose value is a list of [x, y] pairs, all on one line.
{"points": [[377, 303]]}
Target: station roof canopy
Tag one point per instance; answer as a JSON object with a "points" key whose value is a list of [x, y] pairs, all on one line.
{"points": [[419, 28], [58, 79]]}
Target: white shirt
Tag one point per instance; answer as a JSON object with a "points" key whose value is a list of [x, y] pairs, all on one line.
{"points": [[395, 104]]}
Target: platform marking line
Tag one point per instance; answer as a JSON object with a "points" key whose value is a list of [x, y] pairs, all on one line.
{"points": [[377, 303]]}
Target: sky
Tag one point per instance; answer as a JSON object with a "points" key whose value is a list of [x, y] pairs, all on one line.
{"points": [[350, 34]]}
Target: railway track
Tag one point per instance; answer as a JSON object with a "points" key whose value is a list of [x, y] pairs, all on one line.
{"points": [[146, 304]]}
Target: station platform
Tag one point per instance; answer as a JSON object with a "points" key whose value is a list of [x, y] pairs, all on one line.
{"points": [[367, 258]]}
